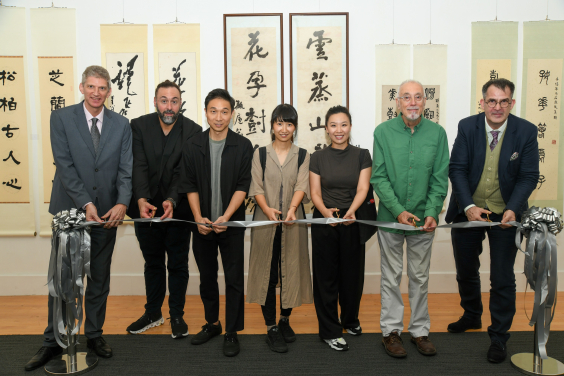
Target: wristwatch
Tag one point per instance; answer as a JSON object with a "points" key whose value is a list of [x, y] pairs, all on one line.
{"points": [[172, 201]]}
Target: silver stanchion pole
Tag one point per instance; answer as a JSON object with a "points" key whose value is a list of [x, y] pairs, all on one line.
{"points": [[533, 364]]}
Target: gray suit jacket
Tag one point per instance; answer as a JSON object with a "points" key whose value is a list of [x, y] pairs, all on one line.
{"points": [[80, 176]]}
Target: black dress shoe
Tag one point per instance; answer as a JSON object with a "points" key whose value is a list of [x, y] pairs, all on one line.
{"points": [[230, 344], [497, 352], [44, 355], [100, 347], [463, 324], [208, 332]]}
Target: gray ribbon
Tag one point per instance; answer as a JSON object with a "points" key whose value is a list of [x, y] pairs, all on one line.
{"points": [[69, 261], [540, 227]]}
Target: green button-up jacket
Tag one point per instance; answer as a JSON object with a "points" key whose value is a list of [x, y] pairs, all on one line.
{"points": [[410, 170]]}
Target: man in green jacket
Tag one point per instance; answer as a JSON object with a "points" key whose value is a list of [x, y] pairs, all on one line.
{"points": [[410, 176]]}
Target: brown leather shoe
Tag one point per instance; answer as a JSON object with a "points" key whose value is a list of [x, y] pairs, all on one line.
{"points": [[424, 346], [394, 345]]}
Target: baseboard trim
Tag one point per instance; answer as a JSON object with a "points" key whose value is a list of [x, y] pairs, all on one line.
{"points": [[134, 284]]}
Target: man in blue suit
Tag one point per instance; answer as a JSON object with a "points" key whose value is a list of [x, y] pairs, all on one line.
{"points": [[92, 150], [494, 168]]}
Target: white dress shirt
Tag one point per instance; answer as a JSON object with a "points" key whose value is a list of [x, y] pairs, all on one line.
{"points": [[89, 118]]}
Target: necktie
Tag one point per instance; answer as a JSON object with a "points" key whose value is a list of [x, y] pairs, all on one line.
{"points": [[95, 133], [492, 145]]}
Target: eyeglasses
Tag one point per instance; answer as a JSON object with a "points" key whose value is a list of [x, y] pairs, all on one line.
{"points": [[407, 98], [504, 103]]}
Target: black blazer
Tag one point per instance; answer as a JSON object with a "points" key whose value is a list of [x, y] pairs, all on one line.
{"points": [[517, 178], [149, 178], [236, 162]]}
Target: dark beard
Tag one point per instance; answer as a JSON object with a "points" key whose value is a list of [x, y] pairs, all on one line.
{"points": [[168, 119]]}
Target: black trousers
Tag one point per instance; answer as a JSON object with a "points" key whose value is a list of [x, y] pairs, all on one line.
{"points": [[467, 246], [269, 307], [337, 261], [231, 248], [165, 243], [97, 288]]}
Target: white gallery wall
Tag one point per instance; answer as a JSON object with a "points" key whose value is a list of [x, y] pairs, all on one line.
{"points": [[24, 261]]}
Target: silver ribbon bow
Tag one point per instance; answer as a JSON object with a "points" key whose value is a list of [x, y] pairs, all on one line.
{"points": [[69, 261], [540, 227]]}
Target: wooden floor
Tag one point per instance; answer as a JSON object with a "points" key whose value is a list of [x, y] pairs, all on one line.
{"points": [[28, 314]]}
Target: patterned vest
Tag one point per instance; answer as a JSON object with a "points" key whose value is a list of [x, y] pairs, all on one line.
{"points": [[487, 194]]}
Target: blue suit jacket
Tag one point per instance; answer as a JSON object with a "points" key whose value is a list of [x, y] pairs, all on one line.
{"points": [[517, 178], [81, 177]]}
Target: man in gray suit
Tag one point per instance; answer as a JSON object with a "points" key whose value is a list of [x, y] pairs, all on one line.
{"points": [[92, 151]]}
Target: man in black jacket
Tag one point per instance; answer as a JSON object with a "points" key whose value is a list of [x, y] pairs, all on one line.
{"points": [[157, 150], [216, 175]]}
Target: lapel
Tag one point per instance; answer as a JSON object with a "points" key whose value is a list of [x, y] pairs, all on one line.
{"points": [[107, 129], [480, 146], [154, 132], [205, 150], [508, 145], [174, 134], [82, 125]]}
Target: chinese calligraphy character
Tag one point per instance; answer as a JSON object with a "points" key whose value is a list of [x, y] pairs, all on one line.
{"points": [[542, 129], [543, 102], [180, 81], [123, 112], [318, 91], [320, 43], [9, 104], [319, 147], [318, 126], [541, 155], [251, 121], [12, 184], [253, 43], [541, 180], [127, 102], [57, 102], [430, 93], [392, 93], [258, 80], [11, 155], [120, 77], [238, 119], [544, 75], [428, 114], [238, 105], [8, 130], [391, 113], [54, 77], [7, 76], [494, 75]]}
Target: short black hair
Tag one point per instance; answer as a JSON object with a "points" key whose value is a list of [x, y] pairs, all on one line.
{"points": [[219, 93], [500, 83], [337, 110], [286, 113], [168, 83]]}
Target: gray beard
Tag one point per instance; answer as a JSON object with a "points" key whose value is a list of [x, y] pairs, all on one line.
{"points": [[168, 119]]}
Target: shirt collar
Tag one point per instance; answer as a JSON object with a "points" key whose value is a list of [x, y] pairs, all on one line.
{"points": [[89, 116], [500, 129], [405, 125]]}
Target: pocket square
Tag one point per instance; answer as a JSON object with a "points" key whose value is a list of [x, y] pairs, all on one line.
{"points": [[514, 157]]}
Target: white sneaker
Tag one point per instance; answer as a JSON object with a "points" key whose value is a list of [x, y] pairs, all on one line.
{"points": [[355, 331], [338, 344]]}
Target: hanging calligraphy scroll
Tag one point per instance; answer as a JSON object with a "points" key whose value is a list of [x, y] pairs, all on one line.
{"points": [[55, 67], [254, 73], [16, 196], [393, 66], [543, 57], [56, 90], [430, 68], [494, 55], [319, 74], [177, 58], [124, 55]]}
